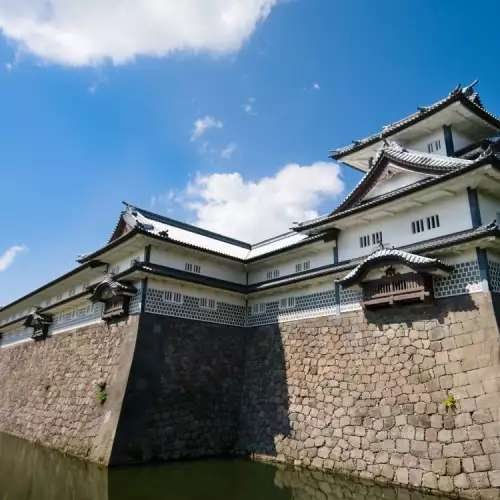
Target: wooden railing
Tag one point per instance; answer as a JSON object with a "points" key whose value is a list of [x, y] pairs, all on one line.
{"points": [[401, 287]]}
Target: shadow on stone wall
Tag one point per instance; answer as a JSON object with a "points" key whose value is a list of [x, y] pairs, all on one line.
{"points": [[183, 395], [411, 314], [264, 415], [317, 485], [31, 472]]}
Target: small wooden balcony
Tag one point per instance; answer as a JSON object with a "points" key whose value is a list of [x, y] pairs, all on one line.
{"points": [[388, 291]]}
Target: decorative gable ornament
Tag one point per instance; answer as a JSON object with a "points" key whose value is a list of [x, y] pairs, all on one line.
{"points": [[115, 295], [39, 322]]}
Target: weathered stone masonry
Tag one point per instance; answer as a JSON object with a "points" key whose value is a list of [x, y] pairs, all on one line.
{"points": [[364, 395], [361, 393], [48, 389]]}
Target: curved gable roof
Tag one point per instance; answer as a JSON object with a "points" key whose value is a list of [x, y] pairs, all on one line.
{"points": [[466, 96], [405, 159]]}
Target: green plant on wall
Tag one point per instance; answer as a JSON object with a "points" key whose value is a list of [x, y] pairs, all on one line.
{"points": [[450, 401], [102, 395]]}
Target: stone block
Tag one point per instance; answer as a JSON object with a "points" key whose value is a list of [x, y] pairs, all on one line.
{"points": [[479, 480], [453, 466], [482, 463], [435, 451], [429, 480], [475, 432], [454, 450], [468, 465], [387, 471], [439, 466], [491, 445], [445, 484], [491, 429], [419, 449], [402, 475], [494, 477], [445, 436], [461, 481]]}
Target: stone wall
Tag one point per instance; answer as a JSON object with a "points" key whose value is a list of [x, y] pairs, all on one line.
{"points": [[48, 389], [183, 395], [363, 394]]}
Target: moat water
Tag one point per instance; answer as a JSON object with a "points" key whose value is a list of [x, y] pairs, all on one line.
{"points": [[29, 472]]}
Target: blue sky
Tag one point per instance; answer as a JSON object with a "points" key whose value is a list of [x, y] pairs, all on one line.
{"points": [[89, 118]]}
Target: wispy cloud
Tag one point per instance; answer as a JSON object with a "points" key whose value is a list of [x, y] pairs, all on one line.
{"points": [[7, 258], [248, 107], [201, 125], [228, 151]]}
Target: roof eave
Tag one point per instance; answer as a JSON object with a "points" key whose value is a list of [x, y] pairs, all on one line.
{"points": [[459, 97]]}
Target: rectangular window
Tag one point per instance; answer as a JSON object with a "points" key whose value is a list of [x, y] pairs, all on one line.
{"points": [[259, 308], [303, 266], [298, 268], [273, 274], [417, 226], [208, 304], [114, 270], [173, 297], [433, 222], [376, 238], [373, 239], [269, 275], [437, 145], [430, 147], [287, 303], [307, 265], [192, 268]]}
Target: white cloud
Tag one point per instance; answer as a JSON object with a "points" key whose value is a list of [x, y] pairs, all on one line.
{"points": [[228, 151], [255, 210], [7, 258], [248, 107], [316, 86], [201, 125], [80, 33]]}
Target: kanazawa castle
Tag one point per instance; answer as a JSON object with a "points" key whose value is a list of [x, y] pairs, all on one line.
{"points": [[420, 226]]}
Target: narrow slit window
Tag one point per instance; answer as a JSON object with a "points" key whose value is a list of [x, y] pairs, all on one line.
{"points": [[188, 267], [307, 265], [298, 268], [430, 148], [276, 273], [437, 144], [269, 275], [197, 269]]}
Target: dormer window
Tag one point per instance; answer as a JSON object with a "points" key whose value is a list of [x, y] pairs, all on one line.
{"points": [[115, 295], [40, 324]]}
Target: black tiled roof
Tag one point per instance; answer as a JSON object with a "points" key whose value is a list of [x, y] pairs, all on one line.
{"points": [[467, 95]]}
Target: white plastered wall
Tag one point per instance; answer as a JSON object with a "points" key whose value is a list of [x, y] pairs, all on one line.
{"points": [[489, 207], [286, 262], [454, 216], [214, 267], [421, 144], [401, 179]]}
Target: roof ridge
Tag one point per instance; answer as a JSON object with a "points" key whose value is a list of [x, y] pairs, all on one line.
{"points": [[190, 227]]}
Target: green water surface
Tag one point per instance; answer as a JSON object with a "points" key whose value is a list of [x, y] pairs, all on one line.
{"points": [[29, 472]]}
